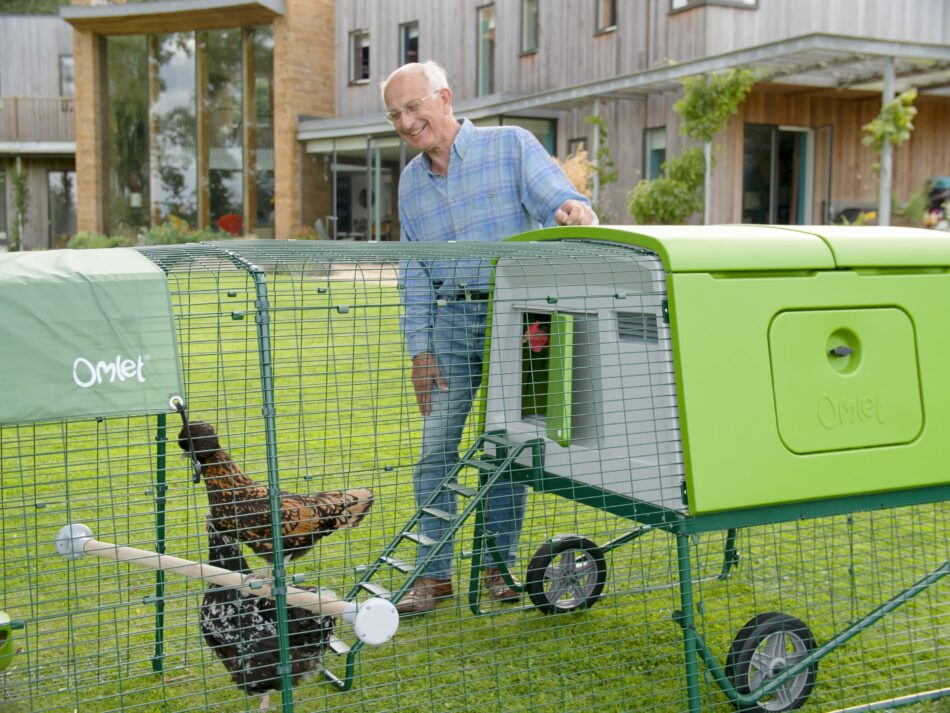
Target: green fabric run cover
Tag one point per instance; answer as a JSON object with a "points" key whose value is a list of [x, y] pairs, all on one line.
{"points": [[85, 333]]}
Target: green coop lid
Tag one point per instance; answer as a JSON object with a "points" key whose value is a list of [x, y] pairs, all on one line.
{"points": [[708, 248], [882, 246], [85, 333]]}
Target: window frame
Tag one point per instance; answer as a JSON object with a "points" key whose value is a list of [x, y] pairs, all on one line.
{"points": [[480, 82], [525, 5], [355, 73], [3, 206], [600, 26], [69, 209], [648, 149], [575, 144], [403, 54], [72, 74]]}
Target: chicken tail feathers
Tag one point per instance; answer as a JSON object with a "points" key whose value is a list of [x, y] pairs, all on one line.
{"points": [[340, 509]]}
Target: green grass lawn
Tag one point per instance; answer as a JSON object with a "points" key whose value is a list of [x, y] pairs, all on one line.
{"points": [[345, 418]]}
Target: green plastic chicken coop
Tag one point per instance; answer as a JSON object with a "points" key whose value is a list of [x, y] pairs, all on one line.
{"points": [[733, 438]]}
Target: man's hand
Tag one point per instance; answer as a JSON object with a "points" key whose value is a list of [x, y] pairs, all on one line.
{"points": [[425, 373], [573, 212]]}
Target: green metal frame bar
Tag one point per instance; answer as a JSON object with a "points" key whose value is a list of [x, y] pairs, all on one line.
{"points": [[161, 488], [712, 665], [268, 409], [262, 305]]}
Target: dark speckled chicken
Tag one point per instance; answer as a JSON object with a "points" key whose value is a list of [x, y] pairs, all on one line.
{"points": [[242, 629], [241, 505]]}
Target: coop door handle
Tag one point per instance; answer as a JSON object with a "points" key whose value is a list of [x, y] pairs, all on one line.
{"points": [[842, 351]]}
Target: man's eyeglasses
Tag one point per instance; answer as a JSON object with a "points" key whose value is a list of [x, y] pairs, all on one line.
{"points": [[411, 107]]}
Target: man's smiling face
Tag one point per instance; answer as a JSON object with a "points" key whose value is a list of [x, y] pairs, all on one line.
{"points": [[425, 120]]}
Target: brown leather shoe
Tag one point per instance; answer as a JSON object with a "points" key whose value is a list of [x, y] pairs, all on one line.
{"points": [[494, 582], [424, 595]]}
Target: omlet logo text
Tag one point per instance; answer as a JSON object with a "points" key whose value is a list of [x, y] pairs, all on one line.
{"points": [[87, 374]]}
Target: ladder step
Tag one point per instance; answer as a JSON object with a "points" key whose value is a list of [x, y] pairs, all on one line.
{"points": [[461, 489], [441, 514], [421, 539], [338, 646], [376, 590], [403, 567], [484, 465], [497, 440]]}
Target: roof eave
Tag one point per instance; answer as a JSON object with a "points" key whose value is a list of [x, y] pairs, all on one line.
{"points": [[171, 16]]}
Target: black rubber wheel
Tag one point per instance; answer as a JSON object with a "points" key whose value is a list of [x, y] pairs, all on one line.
{"points": [[565, 574], [767, 645]]}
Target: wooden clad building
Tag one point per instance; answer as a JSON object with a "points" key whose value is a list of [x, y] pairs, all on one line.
{"points": [[266, 114], [792, 154], [37, 131]]}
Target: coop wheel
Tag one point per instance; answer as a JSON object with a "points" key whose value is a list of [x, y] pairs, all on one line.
{"points": [[768, 644], [566, 573]]}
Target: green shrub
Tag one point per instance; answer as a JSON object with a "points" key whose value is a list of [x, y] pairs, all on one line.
{"points": [[206, 234], [87, 240], [673, 197], [169, 233]]}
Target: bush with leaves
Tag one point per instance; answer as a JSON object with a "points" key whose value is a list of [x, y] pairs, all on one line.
{"points": [[673, 197], [579, 170], [167, 233], [176, 232], [88, 240]]}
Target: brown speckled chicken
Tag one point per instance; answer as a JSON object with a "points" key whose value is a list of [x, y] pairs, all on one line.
{"points": [[241, 505]]}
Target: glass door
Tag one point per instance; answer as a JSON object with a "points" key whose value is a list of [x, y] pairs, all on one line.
{"points": [[777, 176]]}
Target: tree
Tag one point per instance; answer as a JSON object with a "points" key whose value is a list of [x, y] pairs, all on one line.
{"points": [[21, 204], [603, 165], [893, 125], [707, 103], [31, 7]]}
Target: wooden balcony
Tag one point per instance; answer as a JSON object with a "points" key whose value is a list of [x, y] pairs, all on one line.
{"points": [[37, 119]]}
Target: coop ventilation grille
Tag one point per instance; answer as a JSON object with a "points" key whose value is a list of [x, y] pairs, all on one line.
{"points": [[637, 327]]}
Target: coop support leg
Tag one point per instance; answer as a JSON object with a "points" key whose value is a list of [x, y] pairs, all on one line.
{"points": [[686, 618], [160, 488], [730, 556]]}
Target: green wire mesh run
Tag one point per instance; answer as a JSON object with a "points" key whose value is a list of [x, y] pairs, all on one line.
{"points": [[327, 390]]}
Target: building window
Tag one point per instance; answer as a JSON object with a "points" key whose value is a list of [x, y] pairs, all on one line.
{"points": [[606, 15], [689, 4], [359, 56], [654, 152], [62, 207], [529, 26], [409, 42], [544, 130], [485, 80], [3, 207], [189, 130], [67, 84]]}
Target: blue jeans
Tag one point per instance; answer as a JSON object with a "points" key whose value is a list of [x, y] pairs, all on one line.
{"points": [[458, 340]]}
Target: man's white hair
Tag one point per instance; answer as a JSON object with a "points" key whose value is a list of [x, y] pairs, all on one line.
{"points": [[435, 76]]}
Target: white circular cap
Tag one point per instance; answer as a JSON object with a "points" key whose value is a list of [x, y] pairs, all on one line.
{"points": [[376, 621], [71, 539]]}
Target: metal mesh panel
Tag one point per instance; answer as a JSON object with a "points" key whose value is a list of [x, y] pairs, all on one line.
{"points": [[294, 353]]}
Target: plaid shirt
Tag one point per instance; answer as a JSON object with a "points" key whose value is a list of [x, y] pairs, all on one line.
{"points": [[500, 182]]}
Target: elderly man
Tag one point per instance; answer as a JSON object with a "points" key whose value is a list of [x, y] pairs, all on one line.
{"points": [[467, 184]]}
